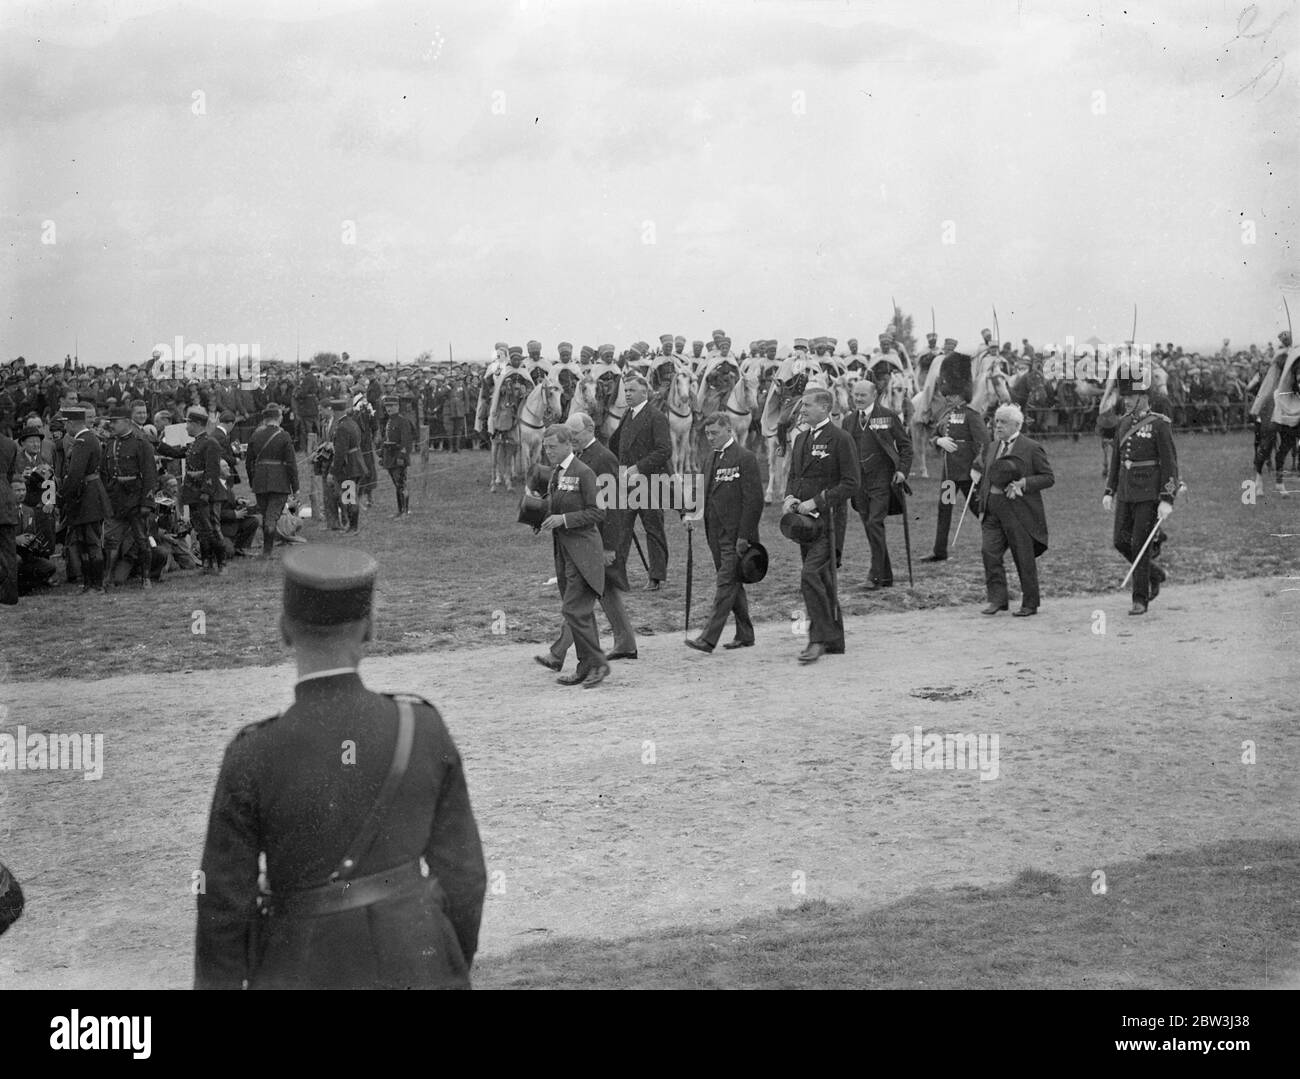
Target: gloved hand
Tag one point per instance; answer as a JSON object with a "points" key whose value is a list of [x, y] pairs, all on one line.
{"points": [[1164, 509], [1107, 503]]}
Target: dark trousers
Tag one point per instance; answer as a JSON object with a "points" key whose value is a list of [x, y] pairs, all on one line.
{"points": [[85, 545], [1133, 524], [729, 596], [270, 504], [578, 605], [1270, 435], [874, 523], [398, 476], [128, 535], [612, 604], [1002, 530], [8, 564], [205, 517], [817, 584], [961, 489], [655, 538]]}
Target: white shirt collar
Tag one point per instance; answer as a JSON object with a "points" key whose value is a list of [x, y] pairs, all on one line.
{"points": [[636, 411], [331, 673], [567, 461], [730, 442], [821, 425]]}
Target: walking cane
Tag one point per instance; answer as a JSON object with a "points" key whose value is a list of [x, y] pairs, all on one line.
{"points": [[964, 508], [835, 573], [690, 574], [1131, 568], [637, 541], [907, 533]]}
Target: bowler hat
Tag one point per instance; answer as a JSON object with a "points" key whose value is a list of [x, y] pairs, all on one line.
{"points": [[751, 567], [800, 527]]}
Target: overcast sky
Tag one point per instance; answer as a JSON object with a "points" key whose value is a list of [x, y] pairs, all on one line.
{"points": [[611, 170]]}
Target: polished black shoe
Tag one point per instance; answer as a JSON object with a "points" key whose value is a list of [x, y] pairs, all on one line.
{"points": [[621, 655], [739, 644], [935, 558], [654, 586], [812, 653], [597, 675], [699, 645], [993, 608], [1138, 608], [1024, 612], [575, 679], [549, 662]]}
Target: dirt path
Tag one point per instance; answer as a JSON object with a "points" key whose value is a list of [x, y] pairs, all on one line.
{"points": [[695, 788]]}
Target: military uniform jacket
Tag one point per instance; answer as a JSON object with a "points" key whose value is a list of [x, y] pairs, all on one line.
{"points": [[602, 462], [348, 463], [573, 494], [202, 471], [963, 425], [83, 496], [884, 447], [644, 440], [130, 473], [1038, 477], [733, 497], [823, 467], [1144, 467], [399, 441], [285, 790], [272, 463]]}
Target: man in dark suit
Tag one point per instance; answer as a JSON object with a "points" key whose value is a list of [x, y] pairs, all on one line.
{"points": [[602, 464], [272, 472], [644, 445], [572, 519], [823, 476], [733, 505], [348, 468], [962, 439], [884, 459], [1013, 510], [373, 861], [83, 501]]}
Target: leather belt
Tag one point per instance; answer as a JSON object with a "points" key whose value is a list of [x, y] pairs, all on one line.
{"points": [[1139, 464], [335, 897]]}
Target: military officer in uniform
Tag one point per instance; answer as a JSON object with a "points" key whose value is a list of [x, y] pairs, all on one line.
{"points": [[602, 464], [83, 500], [203, 490], [823, 476], [348, 468], [884, 459], [374, 873], [272, 473], [1141, 486], [572, 519], [962, 438], [130, 475], [733, 506], [396, 449]]}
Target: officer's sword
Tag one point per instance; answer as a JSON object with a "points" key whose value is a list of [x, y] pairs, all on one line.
{"points": [[970, 491], [1131, 568]]}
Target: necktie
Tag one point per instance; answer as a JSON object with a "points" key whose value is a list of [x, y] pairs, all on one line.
{"points": [[1002, 451], [862, 418]]}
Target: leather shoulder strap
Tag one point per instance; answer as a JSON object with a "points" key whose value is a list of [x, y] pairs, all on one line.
{"points": [[365, 838]]}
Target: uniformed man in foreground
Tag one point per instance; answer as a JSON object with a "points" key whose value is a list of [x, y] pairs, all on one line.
{"points": [[374, 872], [1143, 480]]}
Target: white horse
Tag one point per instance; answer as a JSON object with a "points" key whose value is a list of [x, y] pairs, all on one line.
{"points": [[741, 404], [611, 410], [541, 407], [680, 403]]}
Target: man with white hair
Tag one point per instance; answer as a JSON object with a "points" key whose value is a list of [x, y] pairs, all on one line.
{"points": [[603, 463], [1011, 477]]}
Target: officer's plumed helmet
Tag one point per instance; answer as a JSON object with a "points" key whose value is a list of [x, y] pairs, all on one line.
{"points": [[328, 586]]}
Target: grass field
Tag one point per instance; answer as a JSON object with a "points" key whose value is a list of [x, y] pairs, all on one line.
{"points": [[1223, 916], [461, 572]]}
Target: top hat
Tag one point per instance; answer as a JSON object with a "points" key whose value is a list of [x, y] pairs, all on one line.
{"points": [[752, 565], [800, 527], [1005, 470]]}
